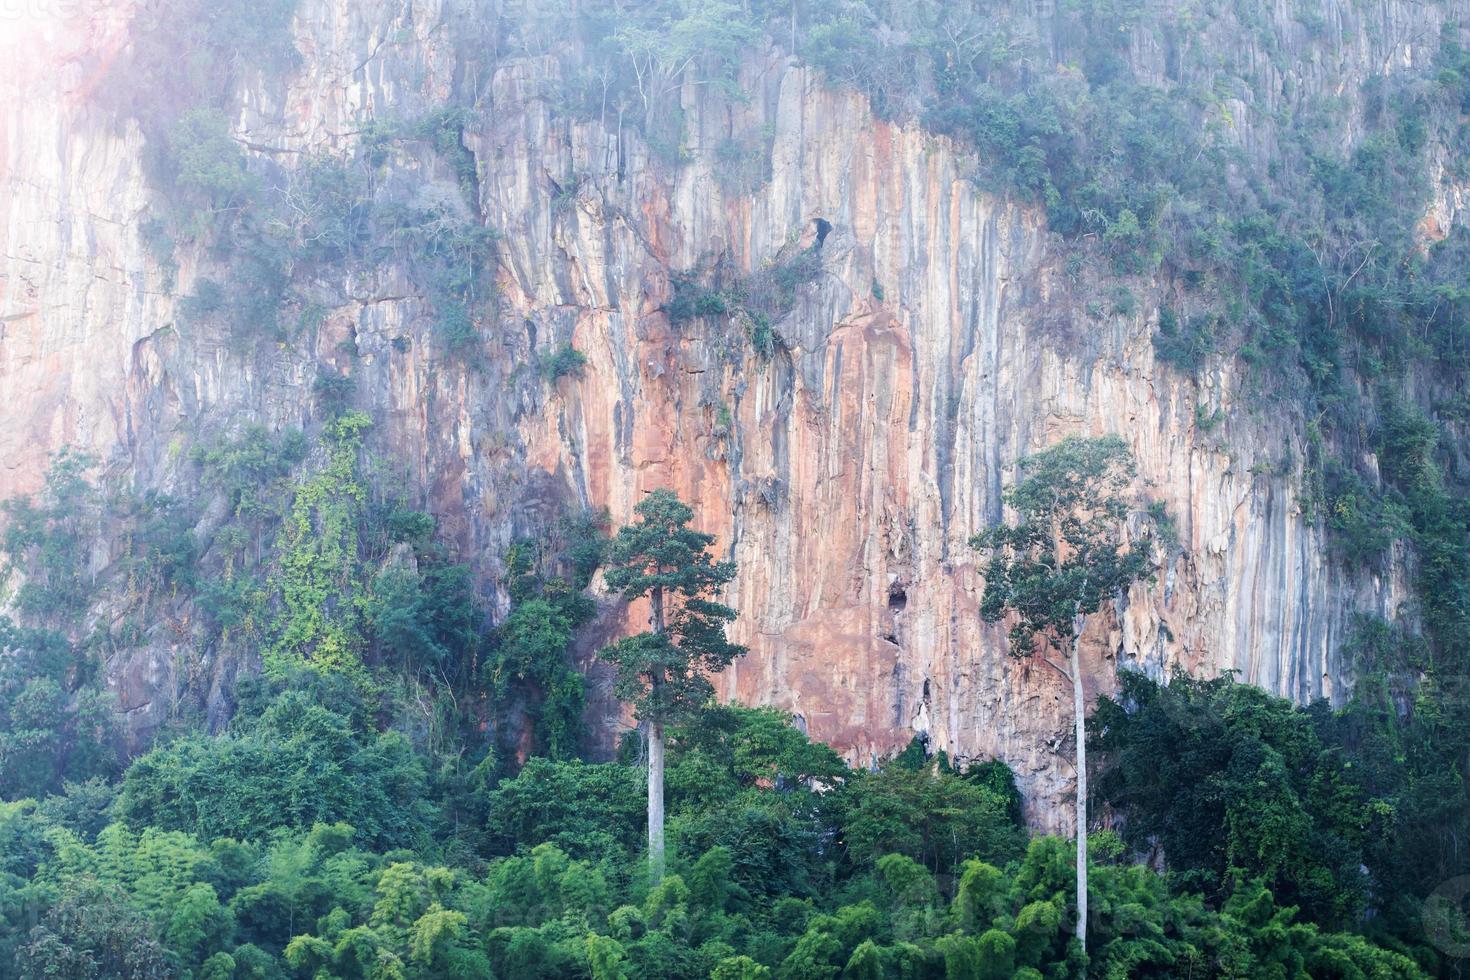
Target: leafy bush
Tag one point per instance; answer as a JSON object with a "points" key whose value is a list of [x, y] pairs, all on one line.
{"points": [[449, 255], [44, 541], [1185, 345], [210, 165], [565, 361], [962, 819], [333, 391], [582, 808], [1236, 785], [758, 300], [296, 765]]}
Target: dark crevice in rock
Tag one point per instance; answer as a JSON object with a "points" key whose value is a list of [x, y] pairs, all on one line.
{"points": [[824, 228]]}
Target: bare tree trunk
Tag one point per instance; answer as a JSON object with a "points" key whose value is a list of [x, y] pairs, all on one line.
{"points": [[1079, 712], [656, 802], [656, 766]]}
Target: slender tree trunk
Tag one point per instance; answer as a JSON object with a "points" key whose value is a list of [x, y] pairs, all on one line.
{"points": [[656, 765], [656, 801], [1079, 712]]}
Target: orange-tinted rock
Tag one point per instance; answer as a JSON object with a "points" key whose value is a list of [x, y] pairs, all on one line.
{"points": [[857, 463]]}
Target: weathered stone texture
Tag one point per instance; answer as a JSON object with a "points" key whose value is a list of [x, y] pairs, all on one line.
{"points": [[857, 462]]}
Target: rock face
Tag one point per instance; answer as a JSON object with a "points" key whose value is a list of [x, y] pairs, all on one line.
{"points": [[942, 339]]}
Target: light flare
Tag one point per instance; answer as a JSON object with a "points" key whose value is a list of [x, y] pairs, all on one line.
{"points": [[35, 22], [39, 38]]}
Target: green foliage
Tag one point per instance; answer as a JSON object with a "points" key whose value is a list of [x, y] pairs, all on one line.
{"points": [[423, 617], [1185, 345], [92, 931], [757, 301], [333, 392], [1307, 251], [532, 651], [305, 896], [253, 473], [565, 361], [581, 807], [690, 301], [931, 815], [1407, 726], [448, 253], [528, 661], [323, 214], [297, 764], [664, 674], [320, 578], [444, 131], [275, 234], [662, 43], [43, 541], [210, 164], [56, 721], [319, 565], [1065, 554], [1365, 524], [245, 467], [1237, 786], [755, 747]]}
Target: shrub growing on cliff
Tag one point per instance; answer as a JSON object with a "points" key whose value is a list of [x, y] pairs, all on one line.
{"points": [[565, 361], [756, 301], [209, 163], [318, 565], [449, 254], [1186, 343], [43, 541]]}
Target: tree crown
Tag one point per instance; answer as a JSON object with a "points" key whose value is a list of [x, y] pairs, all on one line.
{"points": [[661, 551], [1064, 553], [664, 673]]}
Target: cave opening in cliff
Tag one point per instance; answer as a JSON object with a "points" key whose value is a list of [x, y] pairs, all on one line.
{"points": [[824, 228], [898, 597]]}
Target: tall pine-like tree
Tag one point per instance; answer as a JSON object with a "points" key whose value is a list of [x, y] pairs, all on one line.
{"points": [[664, 673], [1055, 564]]}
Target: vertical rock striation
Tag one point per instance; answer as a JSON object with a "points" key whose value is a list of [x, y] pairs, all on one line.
{"points": [[942, 339]]}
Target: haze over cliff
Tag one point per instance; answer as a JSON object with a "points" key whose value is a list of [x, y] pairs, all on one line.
{"points": [[911, 329]]}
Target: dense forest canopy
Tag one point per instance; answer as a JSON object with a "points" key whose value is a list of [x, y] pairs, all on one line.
{"points": [[404, 786]]}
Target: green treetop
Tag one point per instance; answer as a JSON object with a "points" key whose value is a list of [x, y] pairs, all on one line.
{"points": [[1063, 556], [664, 673]]}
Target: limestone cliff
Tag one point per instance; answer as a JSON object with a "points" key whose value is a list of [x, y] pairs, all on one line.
{"points": [[943, 338]]}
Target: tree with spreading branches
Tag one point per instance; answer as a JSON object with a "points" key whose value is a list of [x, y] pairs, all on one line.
{"points": [[1064, 552], [664, 672]]}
